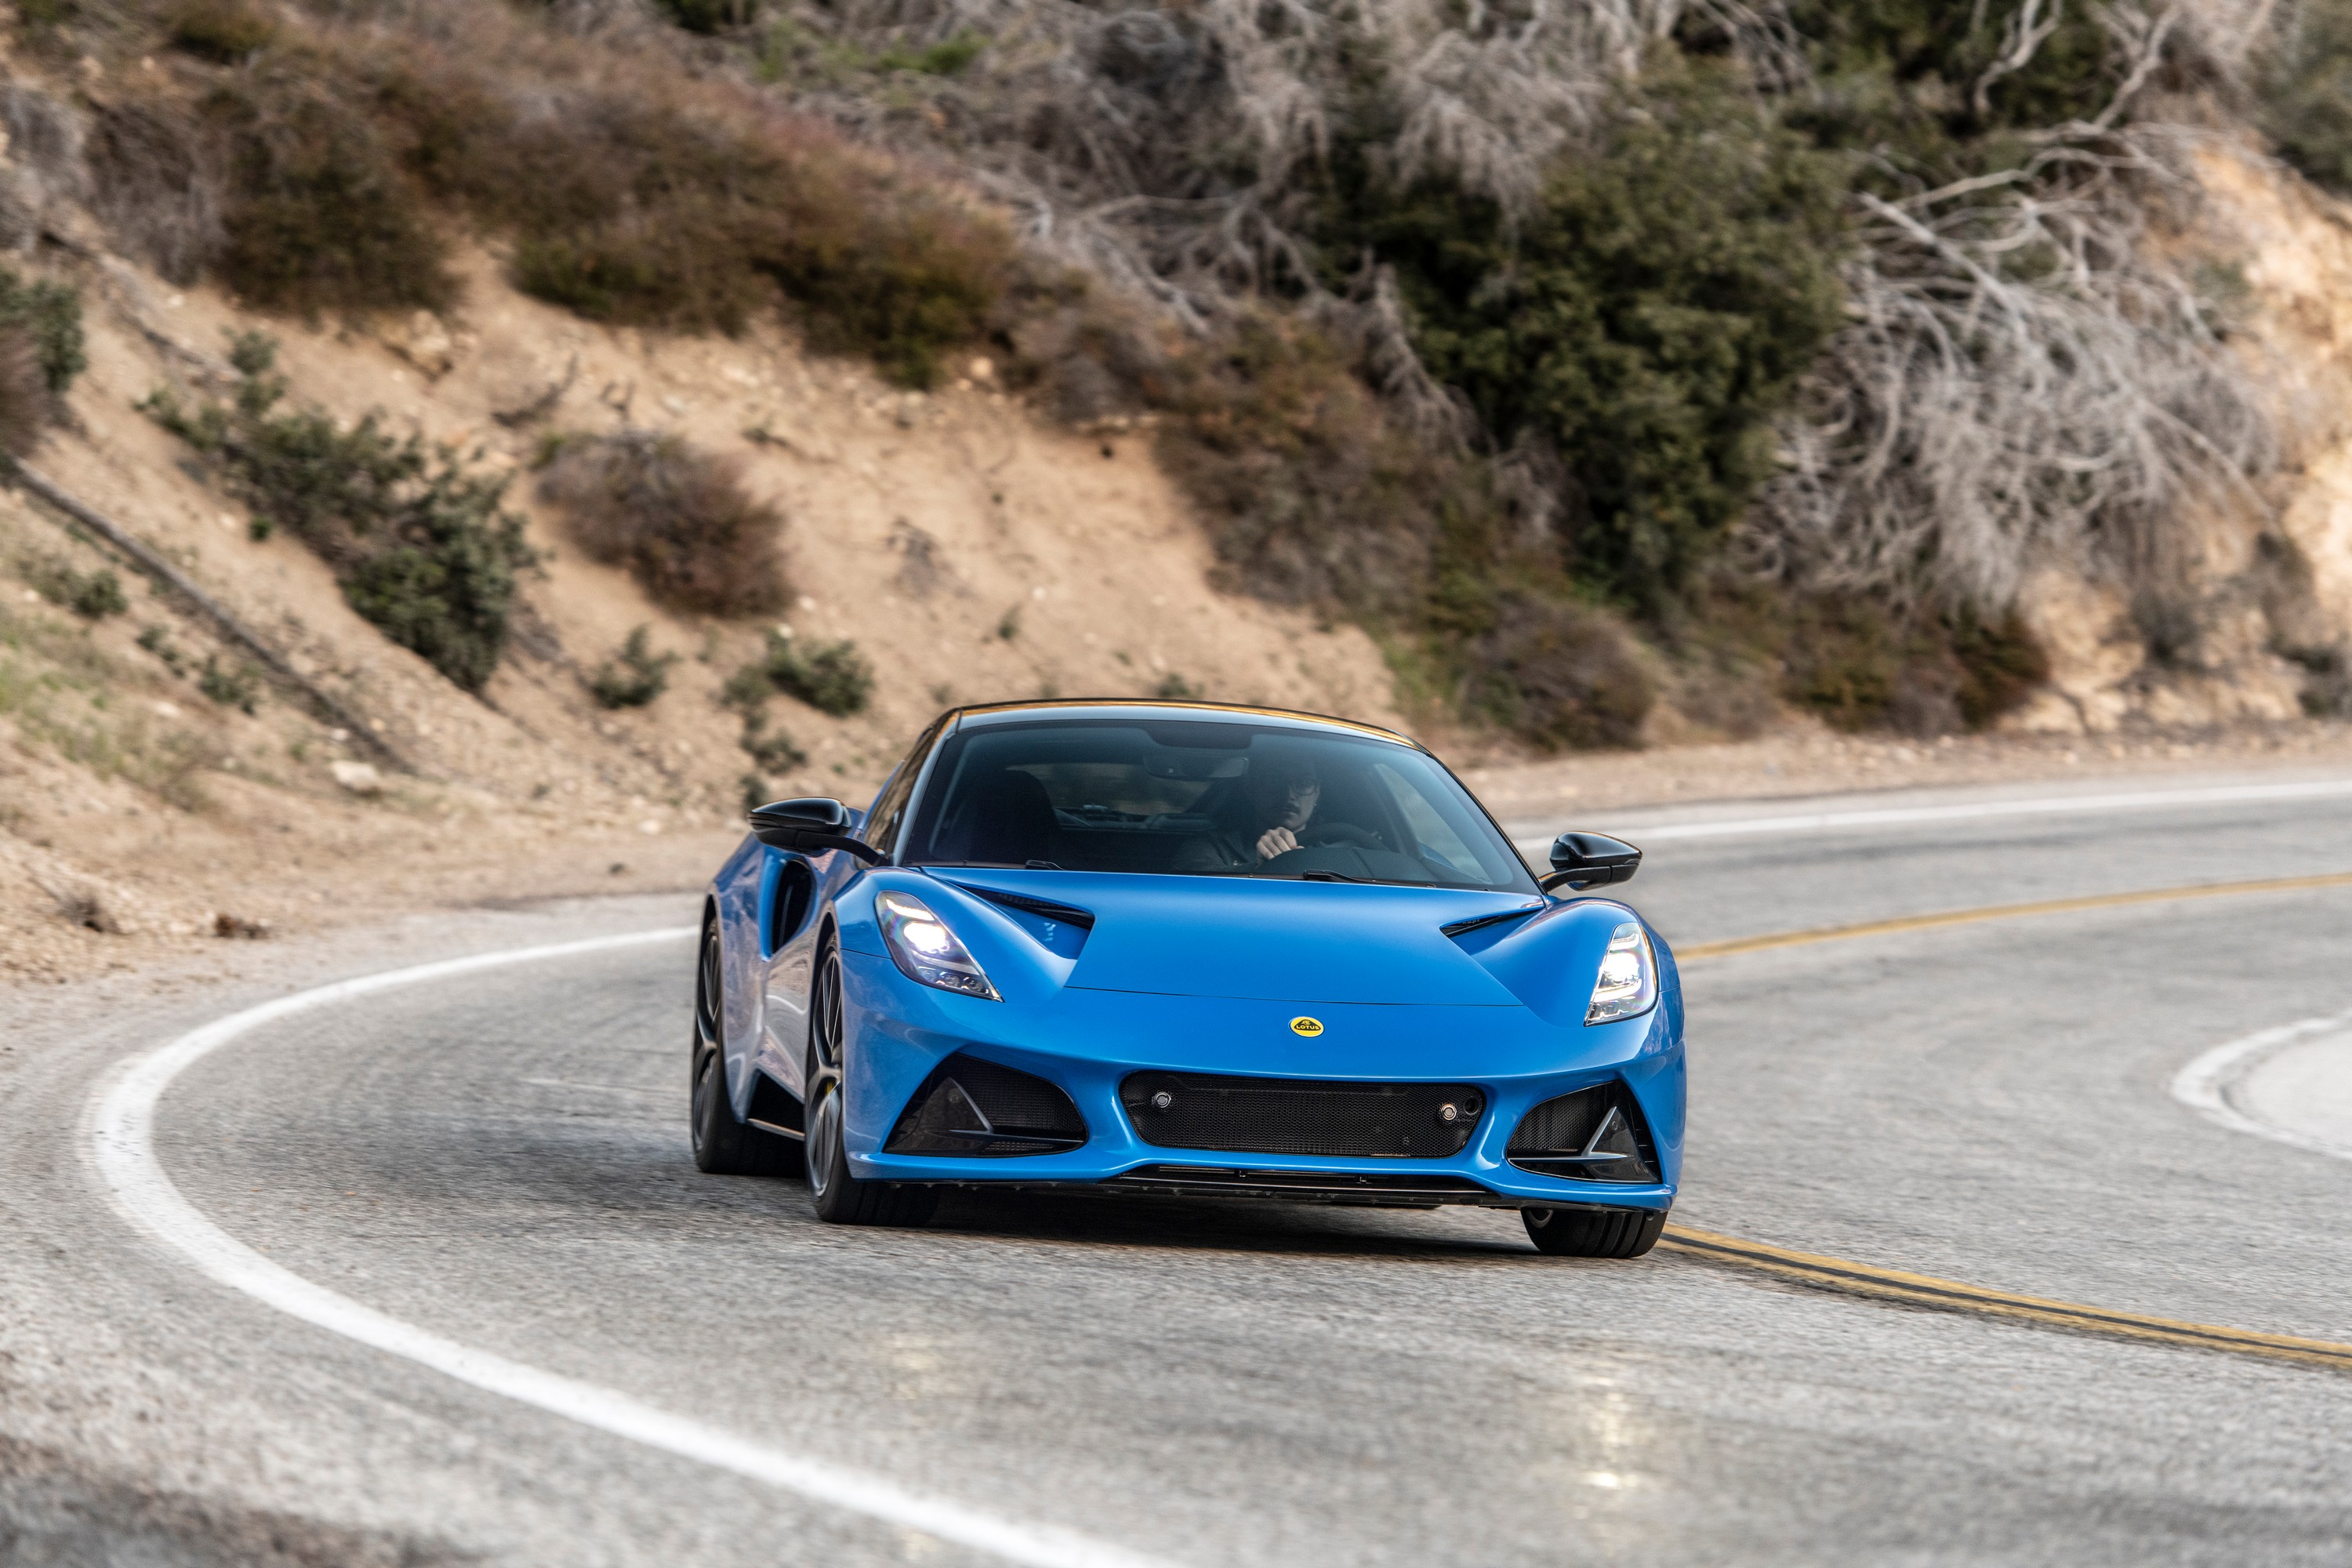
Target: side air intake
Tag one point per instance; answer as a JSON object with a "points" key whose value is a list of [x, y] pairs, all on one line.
{"points": [[1596, 1134], [970, 1107]]}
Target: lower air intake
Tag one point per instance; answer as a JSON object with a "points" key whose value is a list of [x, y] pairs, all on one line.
{"points": [[1285, 1116], [971, 1106], [1596, 1134]]}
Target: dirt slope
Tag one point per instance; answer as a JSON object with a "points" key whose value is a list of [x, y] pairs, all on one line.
{"points": [[971, 552]]}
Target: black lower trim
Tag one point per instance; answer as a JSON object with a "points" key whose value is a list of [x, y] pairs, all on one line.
{"points": [[1305, 1186], [1595, 1134], [970, 1106], [774, 1108]]}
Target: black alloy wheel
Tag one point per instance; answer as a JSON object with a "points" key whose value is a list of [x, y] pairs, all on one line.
{"points": [[838, 1197], [722, 1145], [1593, 1233]]}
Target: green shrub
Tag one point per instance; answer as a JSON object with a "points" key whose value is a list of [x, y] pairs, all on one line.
{"points": [[946, 58], [748, 690], [710, 16], [93, 595], [832, 678], [50, 314], [2305, 106], [1174, 688], [417, 541], [632, 677], [226, 30], [678, 518], [157, 641], [772, 748], [1643, 327], [240, 688]]}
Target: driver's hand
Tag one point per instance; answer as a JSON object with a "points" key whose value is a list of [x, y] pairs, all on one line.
{"points": [[1276, 841]]}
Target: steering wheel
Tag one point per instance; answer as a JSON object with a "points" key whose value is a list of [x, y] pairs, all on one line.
{"points": [[1334, 833]]}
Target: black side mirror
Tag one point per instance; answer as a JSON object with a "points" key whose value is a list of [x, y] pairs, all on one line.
{"points": [[810, 826], [1581, 860]]}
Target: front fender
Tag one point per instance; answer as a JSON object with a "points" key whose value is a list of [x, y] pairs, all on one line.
{"points": [[1551, 961]]}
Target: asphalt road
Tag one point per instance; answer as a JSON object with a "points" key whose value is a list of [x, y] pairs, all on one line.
{"points": [[500, 1159]]}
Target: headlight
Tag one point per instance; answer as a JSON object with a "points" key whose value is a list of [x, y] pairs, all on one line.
{"points": [[1628, 985], [925, 949]]}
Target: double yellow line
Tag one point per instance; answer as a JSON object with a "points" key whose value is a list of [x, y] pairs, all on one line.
{"points": [[1925, 1291], [2007, 912], [1865, 1280]]}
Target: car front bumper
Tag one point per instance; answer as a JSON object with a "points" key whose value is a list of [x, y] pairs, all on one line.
{"points": [[1088, 1041]]}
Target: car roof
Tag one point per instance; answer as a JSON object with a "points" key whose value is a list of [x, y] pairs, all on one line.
{"points": [[1144, 708]]}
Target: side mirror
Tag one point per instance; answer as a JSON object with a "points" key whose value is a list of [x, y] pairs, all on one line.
{"points": [[810, 826], [1581, 860]]}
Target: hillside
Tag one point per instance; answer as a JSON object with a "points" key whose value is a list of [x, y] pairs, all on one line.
{"points": [[969, 550], [619, 411]]}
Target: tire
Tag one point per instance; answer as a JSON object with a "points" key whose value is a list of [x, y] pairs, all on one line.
{"points": [[1593, 1233], [838, 1197], [722, 1145]]}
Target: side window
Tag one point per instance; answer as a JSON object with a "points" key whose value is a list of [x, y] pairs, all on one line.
{"points": [[889, 814]]}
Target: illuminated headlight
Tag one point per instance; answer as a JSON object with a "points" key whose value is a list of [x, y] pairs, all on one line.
{"points": [[925, 949], [1628, 985]]}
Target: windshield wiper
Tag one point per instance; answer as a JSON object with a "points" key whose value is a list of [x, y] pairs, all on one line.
{"points": [[1319, 875]]}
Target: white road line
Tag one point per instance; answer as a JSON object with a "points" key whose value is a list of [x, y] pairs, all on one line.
{"points": [[120, 1125], [2047, 805], [2205, 1085]]}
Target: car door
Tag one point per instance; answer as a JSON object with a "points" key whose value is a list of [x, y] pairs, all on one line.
{"points": [[796, 890]]}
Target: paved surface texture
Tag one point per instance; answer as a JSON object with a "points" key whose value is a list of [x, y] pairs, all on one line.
{"points": [[500, 1159]]}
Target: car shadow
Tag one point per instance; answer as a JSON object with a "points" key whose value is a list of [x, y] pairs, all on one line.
{"points": [[1232, 1225]]}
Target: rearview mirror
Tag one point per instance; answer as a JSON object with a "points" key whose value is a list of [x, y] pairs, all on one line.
{"points": [[810, 826], [1581, 860]]}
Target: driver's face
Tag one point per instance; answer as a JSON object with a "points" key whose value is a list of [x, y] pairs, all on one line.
{"points": [[1297, 802]]}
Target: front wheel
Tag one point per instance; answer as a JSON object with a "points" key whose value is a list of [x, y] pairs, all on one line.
{"points": [[838, 1197], [1593, 1233]]}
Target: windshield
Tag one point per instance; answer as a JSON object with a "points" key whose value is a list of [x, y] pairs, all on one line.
{"points": [[1195, 798]]}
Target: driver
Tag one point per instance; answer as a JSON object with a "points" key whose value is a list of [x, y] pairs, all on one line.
{"points": [[1282, 794]]}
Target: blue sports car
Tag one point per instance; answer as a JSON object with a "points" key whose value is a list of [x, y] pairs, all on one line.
{"points": [[1186, 949]]}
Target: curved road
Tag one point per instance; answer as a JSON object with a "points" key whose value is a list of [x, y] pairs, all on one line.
{"points": [[498, 1159]]}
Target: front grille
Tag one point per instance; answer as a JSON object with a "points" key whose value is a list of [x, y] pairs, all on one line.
{"points": [[972, 1106], [1300, 1186], [1596, 1134], [1286, 1116]]}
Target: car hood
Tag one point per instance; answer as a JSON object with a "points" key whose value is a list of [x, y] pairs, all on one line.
{"points": [[1267, 940]]}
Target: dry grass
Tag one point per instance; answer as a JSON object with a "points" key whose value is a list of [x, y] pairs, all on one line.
{"points": [[1311, 493], [1559, 674], [313, 160], [80, 904], [158, 183], [678, 518]]}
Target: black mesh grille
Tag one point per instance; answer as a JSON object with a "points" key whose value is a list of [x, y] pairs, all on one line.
{"points": [[970, 1106], [1596, 1134], [1284, 1116]]}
